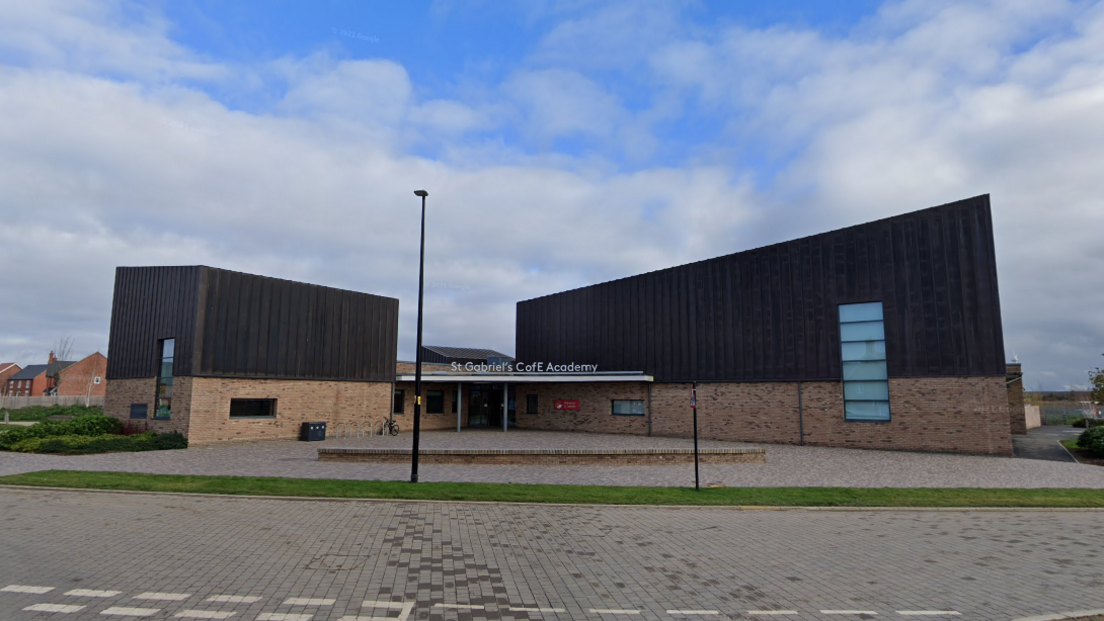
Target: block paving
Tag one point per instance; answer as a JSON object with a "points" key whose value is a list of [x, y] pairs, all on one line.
{"points": [[99, 555]]}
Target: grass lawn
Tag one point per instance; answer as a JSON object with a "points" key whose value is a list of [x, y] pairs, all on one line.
{"points": [[4, 427], [1081, 455], [575, 494]]}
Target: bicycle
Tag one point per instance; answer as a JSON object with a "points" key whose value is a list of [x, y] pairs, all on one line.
{"points": [[390, 426]]}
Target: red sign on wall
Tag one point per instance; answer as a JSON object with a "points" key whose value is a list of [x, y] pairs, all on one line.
{"points": [[566, 404]]}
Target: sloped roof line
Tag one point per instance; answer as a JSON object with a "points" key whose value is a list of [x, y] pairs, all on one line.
{"points": [[465, 352]]}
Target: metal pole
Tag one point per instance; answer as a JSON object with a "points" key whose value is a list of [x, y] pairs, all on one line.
{"points": [[418, 355], [459, 404], [694, 407], [505, 406]]}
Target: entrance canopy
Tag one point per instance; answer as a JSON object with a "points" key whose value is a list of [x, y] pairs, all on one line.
{"points": [[526, 378], [477, 380]]}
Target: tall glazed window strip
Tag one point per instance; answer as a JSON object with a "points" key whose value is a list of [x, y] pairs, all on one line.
{"points": [[863, 350], [166, 350]]}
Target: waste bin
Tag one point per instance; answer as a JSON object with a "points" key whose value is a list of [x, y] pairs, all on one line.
{"points": [[312, 432]]}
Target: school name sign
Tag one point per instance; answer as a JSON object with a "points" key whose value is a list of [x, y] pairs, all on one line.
{"points": [[522, 367]]}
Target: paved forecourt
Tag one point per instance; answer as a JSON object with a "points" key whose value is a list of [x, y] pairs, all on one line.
{"points": [[96, 555], [786, 465]]}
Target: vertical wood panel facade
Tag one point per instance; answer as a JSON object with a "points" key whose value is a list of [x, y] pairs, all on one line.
{"points": [[772, 313], [229, 324]]}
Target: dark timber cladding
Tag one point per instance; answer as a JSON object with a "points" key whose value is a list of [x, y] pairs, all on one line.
{"points": [[771, 313], [229, 324]]}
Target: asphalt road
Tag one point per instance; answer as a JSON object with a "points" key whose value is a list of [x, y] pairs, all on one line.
{"points": [[87, 555]]}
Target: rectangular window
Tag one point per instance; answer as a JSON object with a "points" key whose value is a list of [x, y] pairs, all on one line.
{"points": [[252, 408], [863, 351], [531, 404], [138, 410], [455, 399], [626, 407], [399, 401], [435, 402], [165, 352]]}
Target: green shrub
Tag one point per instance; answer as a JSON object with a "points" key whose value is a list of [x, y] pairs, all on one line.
{"points": [[40, 412], [86, 425], [84, 445], [1092, 440]]}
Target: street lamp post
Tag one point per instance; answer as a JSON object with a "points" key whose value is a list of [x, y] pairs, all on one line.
{"points": [[418, 355]]}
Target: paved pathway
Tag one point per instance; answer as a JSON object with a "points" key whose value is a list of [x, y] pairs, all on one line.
{"points": [[86, 555], [786, 465], [1042, 443]]}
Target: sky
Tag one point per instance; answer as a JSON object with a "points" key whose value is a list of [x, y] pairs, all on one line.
{"points": [[562, 144]]}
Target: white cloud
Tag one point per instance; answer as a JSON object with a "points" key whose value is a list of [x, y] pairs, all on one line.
{"points": [[114, 36], [109, 156]]}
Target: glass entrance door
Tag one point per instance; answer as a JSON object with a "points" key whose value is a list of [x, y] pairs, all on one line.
{"points": [[478, 407]]}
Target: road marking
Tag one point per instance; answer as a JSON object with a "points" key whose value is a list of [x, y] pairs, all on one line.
{"points": [[614, 611], [848, 612], [404, 609], [54, 608], [22, 588], [461, 606], [203, 614], [276, 616], [928, 613], [693, 612], [234, 599], [307, 601], [122, 611], [523, 609], [168, 597], [772, 612], [92, 593]]}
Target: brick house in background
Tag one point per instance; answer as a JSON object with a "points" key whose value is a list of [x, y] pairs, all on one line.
{"points": [[66, 378], [7, 370], [29, 382], [85, 378]]}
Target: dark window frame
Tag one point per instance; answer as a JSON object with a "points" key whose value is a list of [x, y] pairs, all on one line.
{"points": [[614, 402], [241, 401], [163, 380], [429, 401], [532, 404], [398, 398], [884, 360]]}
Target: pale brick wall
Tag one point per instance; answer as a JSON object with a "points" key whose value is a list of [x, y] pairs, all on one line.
{"points": [[121, 393], [959, 415], [201, 406], [749, 412], [427, 367], [595, 412], [954, 415], [298, 401], [430, 421], [944, 415]]}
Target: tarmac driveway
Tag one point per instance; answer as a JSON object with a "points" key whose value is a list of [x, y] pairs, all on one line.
{"points": [[1042, 443]]}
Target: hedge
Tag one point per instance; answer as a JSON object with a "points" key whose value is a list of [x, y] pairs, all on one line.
{"points": [[44, 412], [89, 425], [1092, 440], [82, 445]]}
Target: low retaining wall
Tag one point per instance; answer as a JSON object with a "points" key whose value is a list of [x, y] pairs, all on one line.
{"points": [[547, 457]]}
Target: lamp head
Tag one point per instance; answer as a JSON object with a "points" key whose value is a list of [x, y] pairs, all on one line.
{"points": [[421, 193]]}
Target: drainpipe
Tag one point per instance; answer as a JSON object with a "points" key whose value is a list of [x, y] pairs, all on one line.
{"points": [[800, 415], [649, 409]]}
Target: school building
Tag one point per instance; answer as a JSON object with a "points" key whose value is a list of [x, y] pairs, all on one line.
{"points": [[884, 335]]}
